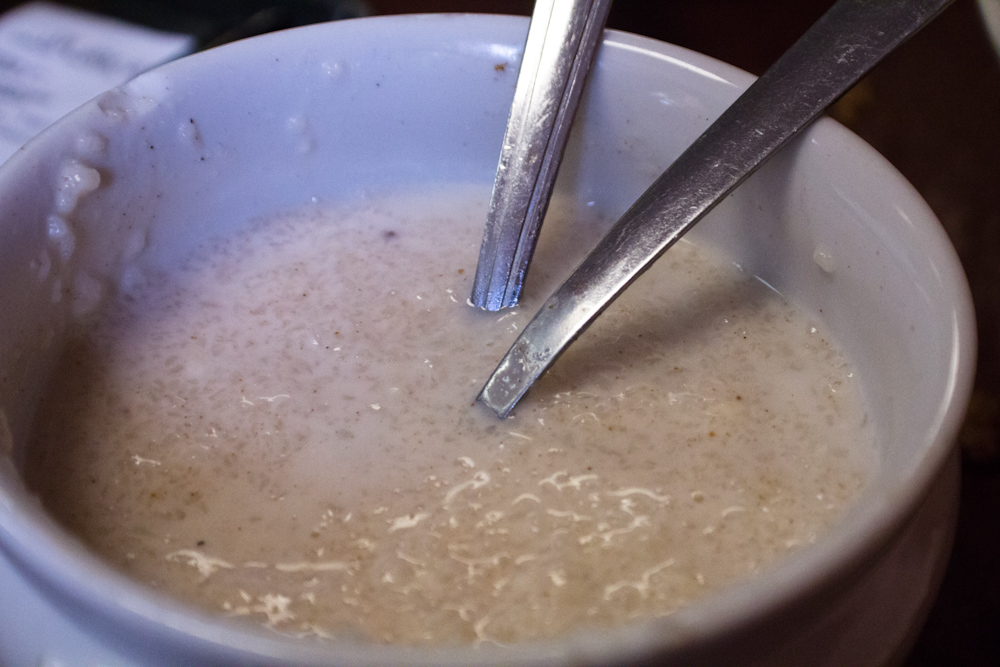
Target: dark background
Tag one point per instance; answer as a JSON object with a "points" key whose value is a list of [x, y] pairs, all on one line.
{"points": [[932, 108]]}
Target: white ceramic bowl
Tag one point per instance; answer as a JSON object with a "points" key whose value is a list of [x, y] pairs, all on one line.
{"points": [[203, 144]]}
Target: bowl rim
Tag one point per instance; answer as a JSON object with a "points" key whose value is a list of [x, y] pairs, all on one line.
{"points": [[90, 589]]}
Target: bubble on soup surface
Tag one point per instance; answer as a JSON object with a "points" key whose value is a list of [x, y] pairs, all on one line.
{"points": [[824, 259], [61, 236], [74, 181]]}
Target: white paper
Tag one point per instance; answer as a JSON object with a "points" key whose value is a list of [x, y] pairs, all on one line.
{"points": [[53, 59]]}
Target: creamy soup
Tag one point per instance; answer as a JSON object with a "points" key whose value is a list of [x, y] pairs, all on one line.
{"points": [[284, 430]]}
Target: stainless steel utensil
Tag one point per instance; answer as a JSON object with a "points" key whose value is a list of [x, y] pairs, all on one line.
{"points": [[562, 39], [851, 38]]}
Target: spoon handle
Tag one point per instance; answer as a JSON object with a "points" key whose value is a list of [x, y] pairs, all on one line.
{"points": [[562, 40], [846, 42]]}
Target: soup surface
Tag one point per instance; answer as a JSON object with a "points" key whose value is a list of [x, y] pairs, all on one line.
{"points": [[284, 430]]}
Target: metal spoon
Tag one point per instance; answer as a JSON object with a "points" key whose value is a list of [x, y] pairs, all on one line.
{"points": [[562, 40], [851, 38]]}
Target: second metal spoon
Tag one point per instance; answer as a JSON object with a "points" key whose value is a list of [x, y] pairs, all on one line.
{"points": [[850, 39]]}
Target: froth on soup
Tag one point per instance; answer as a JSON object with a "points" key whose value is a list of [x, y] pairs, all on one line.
{"points": [[283, 430]]}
